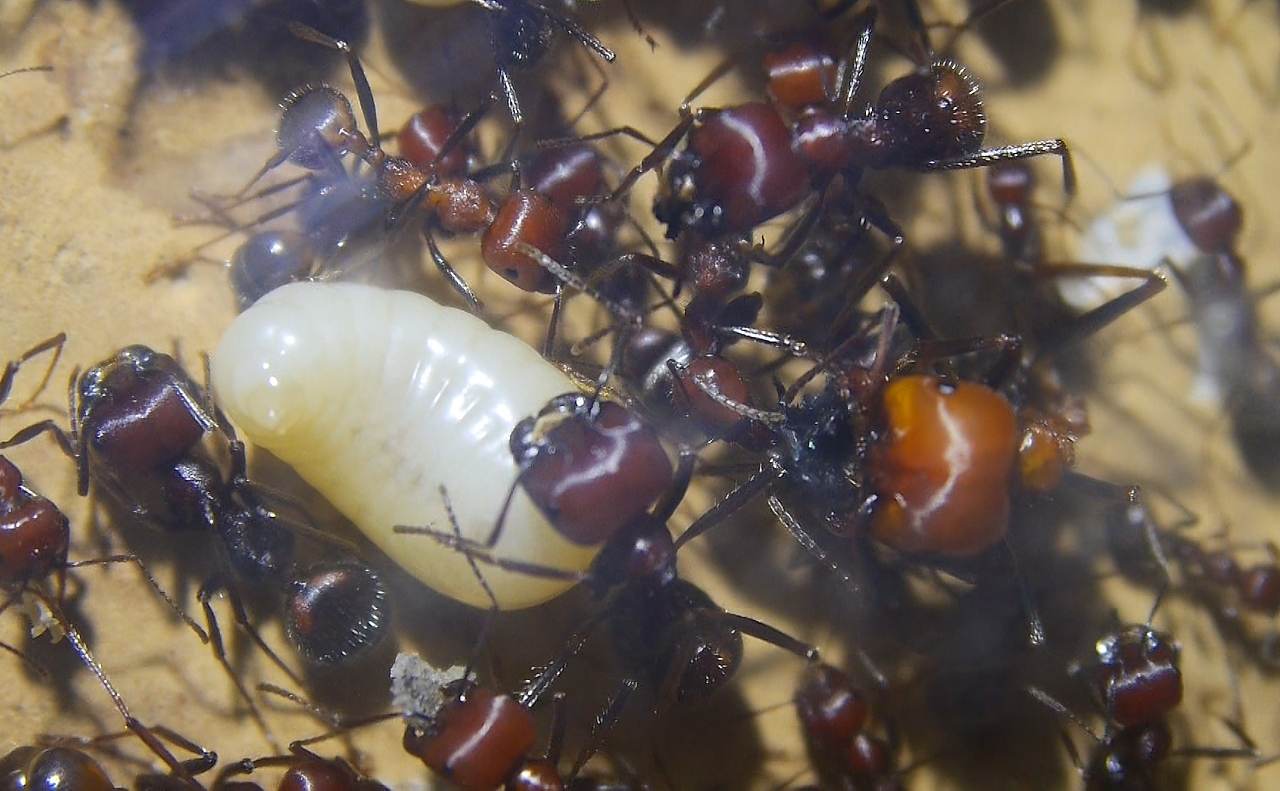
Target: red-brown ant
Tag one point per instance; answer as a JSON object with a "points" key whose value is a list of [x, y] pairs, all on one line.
{"points": [[834, 716], [746, 164], [34, 540], [52, 769], [1138, 682], [137, 423]]}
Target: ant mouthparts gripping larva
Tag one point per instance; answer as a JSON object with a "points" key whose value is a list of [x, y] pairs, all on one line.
{"points": [[378, 399]]}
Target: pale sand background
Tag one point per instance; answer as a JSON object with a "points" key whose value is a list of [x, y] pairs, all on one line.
{"points": [[87, 210]]}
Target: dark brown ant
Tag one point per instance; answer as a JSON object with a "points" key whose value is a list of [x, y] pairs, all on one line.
{"points": [[746, 164], [137, 424], [834, 716], [666, 631], [34, 540], [1138, 682], [1149, 553]]}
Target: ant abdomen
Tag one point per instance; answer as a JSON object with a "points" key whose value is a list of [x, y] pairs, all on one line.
{"points": [[337, 612], [942, 471], [266, 261], [317, 124], [930, 115], [52, 769]]}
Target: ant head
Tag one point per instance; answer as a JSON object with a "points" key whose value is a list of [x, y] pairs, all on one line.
{"points": [[1207, 213], [337, 612], [738, 170], [53, 769], [317, 124], [943, 466], [139, 410], [579, 455], [474, 742], [268, 260], [1140, 673], [34, 533], [424, 136]]}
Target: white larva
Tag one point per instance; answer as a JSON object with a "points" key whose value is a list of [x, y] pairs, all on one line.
{"points": [[377, 398]]}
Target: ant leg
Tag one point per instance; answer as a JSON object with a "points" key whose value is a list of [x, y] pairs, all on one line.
{"points": [[1092, 321], [59, 435], [604, 724], [451, 275], [805, 540], [480, 552], [763, 478], [135, 726], [988, 156], [660, 153], [854, 64], [363, 92], [763, 632], [205, 595], [56, 343], [151, 580]]}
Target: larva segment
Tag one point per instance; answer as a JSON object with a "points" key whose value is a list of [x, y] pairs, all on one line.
{"points": [[377, 398]]}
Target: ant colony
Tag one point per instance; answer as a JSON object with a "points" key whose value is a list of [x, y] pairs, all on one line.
{"points": [[623, 394]]}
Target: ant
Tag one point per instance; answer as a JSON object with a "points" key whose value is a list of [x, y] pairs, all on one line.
{"points": [[834, 716], [318, 126], [476, 738], [1137, 680], [665, 630], [35, 537], [137, 422], [1147, 552], [746, 164]]}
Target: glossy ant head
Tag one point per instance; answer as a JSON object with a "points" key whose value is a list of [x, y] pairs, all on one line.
{"points": [[138, 412], [579, 453], [954, 440], [1207, 213], [34, 533], [423, 138]]}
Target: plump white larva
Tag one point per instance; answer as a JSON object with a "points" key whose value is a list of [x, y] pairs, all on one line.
{"points": [[378, 397]]}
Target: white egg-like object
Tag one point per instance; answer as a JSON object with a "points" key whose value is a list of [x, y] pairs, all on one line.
{"points": [[377, 398], [1138, 232]]}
